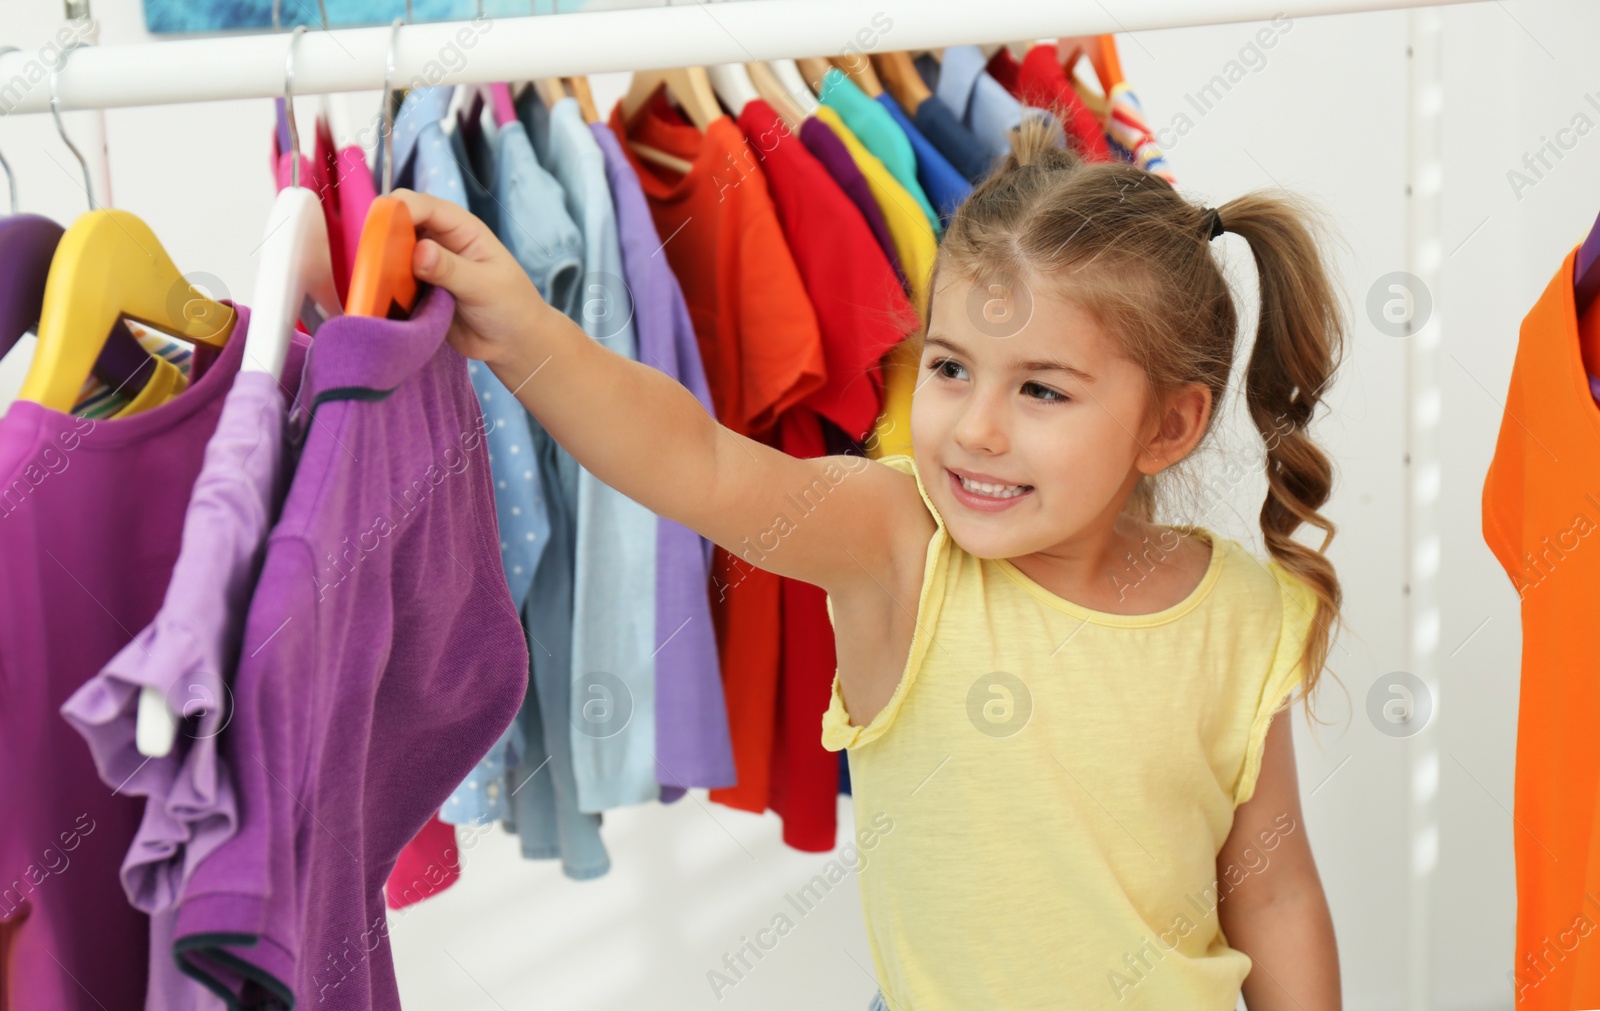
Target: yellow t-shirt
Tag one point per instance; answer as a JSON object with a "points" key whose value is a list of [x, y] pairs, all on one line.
{"points": [[916, 247], [1046, 792]]}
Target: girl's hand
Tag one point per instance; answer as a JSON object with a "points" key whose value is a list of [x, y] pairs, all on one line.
{"points": [[498, 310]]}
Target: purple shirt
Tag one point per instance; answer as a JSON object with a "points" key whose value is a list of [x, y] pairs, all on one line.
{"points": [[692, 744], [827, 148], [91, 522], [188, 653], [381, 658]]}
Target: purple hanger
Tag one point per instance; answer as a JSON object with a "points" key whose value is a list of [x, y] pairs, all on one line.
{"points": [[1586, 270], [283, 128], [27, 244]]}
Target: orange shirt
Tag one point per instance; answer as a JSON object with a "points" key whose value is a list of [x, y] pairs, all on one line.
{"points": [[762, 351], [1541, 507]]}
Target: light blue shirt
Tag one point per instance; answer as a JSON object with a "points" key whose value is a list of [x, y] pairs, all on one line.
{"points": [[526, 208], [425, 163], [612, 704], [980, 102]]}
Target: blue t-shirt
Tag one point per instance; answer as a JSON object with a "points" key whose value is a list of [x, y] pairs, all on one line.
{"points": [[426, 163], [940, 181], [526, 208], [612, 705]]}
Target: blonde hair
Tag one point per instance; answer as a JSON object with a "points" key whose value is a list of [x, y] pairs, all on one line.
{"points": [[1139, 258]]}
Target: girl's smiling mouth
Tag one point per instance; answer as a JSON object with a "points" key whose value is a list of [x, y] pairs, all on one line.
{"points": [[984, 492]]}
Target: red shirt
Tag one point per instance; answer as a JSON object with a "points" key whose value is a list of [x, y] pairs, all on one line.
{"points": [[862, 313], [1040, 81], [763, 355]]}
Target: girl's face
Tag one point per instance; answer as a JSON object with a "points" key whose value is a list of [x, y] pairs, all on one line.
{"points": [[1028, 426]]}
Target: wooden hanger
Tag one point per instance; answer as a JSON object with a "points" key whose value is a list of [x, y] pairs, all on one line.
{"points": [[813, 69], [690, 87], [772, 90], [550, 90], [579, 88], [901, 80], [859, 69]]}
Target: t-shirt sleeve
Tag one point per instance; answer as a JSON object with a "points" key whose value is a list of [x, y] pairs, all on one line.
{"points": [[779, 341], [238, 923], [1286, 674]]}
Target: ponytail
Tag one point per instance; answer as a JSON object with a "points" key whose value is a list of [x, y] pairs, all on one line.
{"points": [[1298, 347]]}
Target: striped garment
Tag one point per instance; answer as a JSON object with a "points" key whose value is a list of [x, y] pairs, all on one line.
{"points": [[99, 400], [1127, 133]]}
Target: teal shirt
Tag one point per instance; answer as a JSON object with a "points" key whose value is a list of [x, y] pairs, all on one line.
{"points": [[876, 129]]}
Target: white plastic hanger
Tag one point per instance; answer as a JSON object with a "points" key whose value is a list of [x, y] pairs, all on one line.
{"points": [[732, 84], [294, 280], [795, 84]]}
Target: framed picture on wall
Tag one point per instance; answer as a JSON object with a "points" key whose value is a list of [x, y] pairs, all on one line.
{"points": [[209, 17]]}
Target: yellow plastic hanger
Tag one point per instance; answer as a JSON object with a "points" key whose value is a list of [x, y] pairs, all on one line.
{"points": [[108, 266]]}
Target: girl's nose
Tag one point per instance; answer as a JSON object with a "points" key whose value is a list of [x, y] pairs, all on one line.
{"points": [[981, 427]]}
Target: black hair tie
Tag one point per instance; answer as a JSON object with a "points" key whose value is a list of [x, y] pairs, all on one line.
{"points": [[1215, 221]]}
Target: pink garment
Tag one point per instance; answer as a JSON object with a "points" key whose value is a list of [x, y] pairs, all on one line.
{"points": [[355, 192], [314, 176]]}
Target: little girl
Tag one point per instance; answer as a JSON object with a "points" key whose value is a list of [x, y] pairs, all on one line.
{"points": [[1067, 724]]}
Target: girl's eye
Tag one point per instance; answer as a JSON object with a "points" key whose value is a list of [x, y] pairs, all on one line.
{"points": [[943, 367], [1045, 394]]}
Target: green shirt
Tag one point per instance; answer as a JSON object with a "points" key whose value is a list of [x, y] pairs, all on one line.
{"points": [[875, 128]]}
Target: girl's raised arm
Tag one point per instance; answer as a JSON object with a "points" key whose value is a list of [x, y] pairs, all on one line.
{"points": [[833, 521]]}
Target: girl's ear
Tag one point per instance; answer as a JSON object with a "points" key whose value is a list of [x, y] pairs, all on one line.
{"points": [[1177, 429]]}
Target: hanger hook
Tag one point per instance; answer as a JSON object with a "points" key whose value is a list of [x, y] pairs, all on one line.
{"points": [[387, 112], [55, 110], [276, 24], [288, 104], [10, 178]]}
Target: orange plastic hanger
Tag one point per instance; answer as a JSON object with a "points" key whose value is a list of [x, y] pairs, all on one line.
{"points": [[381, 282], [1102, 53]]}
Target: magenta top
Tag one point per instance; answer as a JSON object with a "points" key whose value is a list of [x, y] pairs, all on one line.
{"points": [[188, 653], [91, 521], [381, 659]]}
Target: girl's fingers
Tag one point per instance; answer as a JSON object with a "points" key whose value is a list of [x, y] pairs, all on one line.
{"points": [[448, 224], [463, 278]]}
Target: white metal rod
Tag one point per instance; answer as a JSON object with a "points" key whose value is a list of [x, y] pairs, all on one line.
{"points": [[589, 42]]}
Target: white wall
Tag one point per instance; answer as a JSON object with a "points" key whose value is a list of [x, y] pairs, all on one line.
{"points": [[1324, 114]]}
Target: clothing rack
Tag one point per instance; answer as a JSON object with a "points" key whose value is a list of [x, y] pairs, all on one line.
{"points": [[589, 42], [507, 48]]}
